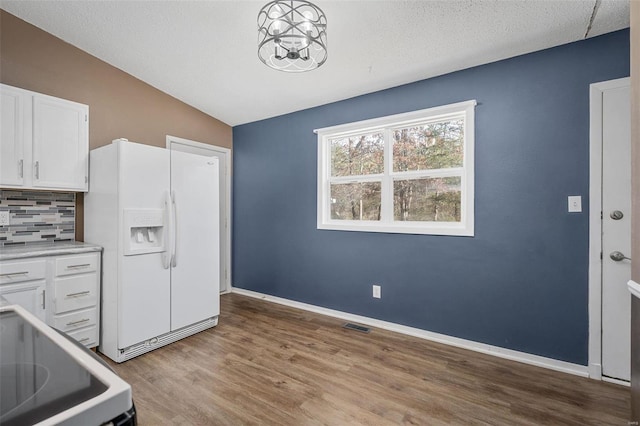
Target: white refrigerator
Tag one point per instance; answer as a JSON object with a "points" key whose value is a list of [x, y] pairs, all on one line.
{"points": [[155, 213]]}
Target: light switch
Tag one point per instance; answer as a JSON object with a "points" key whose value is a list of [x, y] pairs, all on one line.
{"points": [[575, 203], [377, 291]]}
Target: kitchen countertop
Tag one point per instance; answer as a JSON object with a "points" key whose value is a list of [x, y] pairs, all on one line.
{"points": [[47, 249]]}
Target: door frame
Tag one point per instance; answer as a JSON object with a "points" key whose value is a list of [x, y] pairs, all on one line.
{"points": [[595, 223], [227, 234]]}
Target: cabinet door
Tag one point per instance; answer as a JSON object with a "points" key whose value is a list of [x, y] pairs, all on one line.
{"points": [[30, 295], [60, 144], [12, 135]]}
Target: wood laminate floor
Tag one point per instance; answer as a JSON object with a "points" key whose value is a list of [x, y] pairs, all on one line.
{"points": [[273, 365]]}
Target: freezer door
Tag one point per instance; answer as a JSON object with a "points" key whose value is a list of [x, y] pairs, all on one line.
{"points": [[144, 292], [195, 275]]}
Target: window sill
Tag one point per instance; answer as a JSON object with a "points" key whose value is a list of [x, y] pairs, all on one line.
{"points": [[444, 229]]}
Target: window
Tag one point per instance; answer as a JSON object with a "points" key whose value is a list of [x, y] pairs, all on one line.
{"points": [[407, 173]]}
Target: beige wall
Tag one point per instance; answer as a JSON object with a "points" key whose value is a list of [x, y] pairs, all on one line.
{"points": [[120, 105]]}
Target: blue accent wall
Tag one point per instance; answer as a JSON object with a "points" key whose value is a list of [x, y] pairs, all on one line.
{"points": [[520, 283]]}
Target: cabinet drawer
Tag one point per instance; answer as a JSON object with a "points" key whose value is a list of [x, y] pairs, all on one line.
{"points": [[15, 272], [75, 292], [86, 336], [70, 265], [69, 322]]}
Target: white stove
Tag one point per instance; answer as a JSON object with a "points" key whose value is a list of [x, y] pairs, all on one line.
{"points": [[46, 379]]}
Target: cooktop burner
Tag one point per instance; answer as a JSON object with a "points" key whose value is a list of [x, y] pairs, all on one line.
{"points": [[39, 378], [14, 377]]}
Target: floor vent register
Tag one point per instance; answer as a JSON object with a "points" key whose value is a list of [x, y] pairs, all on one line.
{"points": [[356, 327]]}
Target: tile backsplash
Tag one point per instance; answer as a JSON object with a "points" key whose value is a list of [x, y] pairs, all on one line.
{"points": [[37, 217]]}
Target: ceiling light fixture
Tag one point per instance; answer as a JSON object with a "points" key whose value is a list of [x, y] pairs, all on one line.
{"points": [[292, 35]]}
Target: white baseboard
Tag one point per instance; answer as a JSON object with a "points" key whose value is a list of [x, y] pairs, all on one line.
{"points": [[616, 381], [539, 361], [595, 371]]}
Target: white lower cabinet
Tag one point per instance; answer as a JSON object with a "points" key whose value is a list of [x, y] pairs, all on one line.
{"points": [[75, 296], [63, 290], [23, 282], [30, 295]]}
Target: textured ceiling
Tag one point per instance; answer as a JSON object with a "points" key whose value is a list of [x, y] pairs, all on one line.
{"points": [[204, 52]]}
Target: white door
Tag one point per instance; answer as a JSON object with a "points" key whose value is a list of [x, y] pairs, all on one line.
{"points": [[30, 296], [616, 232], [144, 287], [224, 163], [12, 138], [195, 272], [60, 147]]}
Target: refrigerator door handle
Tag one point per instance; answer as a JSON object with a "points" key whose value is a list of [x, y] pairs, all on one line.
{"points": [[174, 238], [167, 256]]}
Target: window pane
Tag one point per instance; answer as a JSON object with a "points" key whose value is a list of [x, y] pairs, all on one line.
{"points": [[355, 201], [430, 199], [429, 146], [357, 155]]}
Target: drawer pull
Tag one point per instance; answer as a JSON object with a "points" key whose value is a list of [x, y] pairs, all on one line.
{"points": [[12, 274], [79, 294], [84, 265], [77, 322], [84, 339]]}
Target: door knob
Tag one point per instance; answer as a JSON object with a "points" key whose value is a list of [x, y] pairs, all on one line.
{"points": [[616, 215], [617, 256]]}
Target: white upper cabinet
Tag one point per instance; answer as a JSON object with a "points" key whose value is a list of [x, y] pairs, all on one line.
{"points": [[45, 142], [12, 128], [60, 143]]}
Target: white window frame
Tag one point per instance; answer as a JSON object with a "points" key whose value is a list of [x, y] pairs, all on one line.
{"points": [[386, 125]]}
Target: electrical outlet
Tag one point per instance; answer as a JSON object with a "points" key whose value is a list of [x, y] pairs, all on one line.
{"points": [[4, 218], [377, 291], [575, 203]]}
